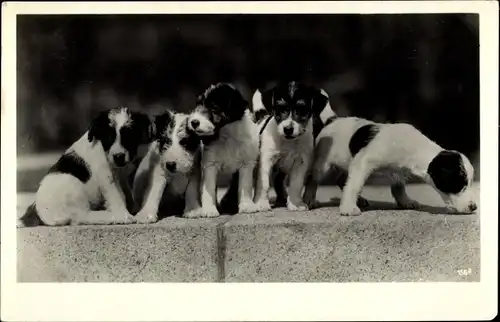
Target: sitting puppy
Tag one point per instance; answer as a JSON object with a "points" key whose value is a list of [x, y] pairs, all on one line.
{"points": [[287, 140], [167, 180], [230, 145], [361, 147], [90, 173], [323, 114]]}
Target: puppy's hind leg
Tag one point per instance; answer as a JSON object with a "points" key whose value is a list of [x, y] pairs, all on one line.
{"points": [[398, 191], [297, 177], [341, 181], [359, 170]]}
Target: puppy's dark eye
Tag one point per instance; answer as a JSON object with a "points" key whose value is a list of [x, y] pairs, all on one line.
{"points": [[281, 102], [189, 143]]}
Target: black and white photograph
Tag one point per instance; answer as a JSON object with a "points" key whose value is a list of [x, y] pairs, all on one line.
{"points": [[248, 147]]}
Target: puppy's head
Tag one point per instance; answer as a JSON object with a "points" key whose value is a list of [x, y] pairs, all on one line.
{"points": [[121, 132], [452, 174], [177, 144], [293, 105], [219, 105]]}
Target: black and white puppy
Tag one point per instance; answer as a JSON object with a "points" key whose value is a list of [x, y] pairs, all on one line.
{"points": [[323, 114], [361, 147], [230, 145], [167, 180], [92, 173], [286, 139]]}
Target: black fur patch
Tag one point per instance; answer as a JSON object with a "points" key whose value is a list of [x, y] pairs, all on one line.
{"points": [[165, 124], [362, 137], [139, 131], [260, 115], [448, 172], [291, 98], [222, 103], [31, 217], [71, 163], [100, 129]]}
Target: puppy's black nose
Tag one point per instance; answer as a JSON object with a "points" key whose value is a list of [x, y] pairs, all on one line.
{"points": [[171, 166], [288, 130], [472, 206], [195, 123], [119, 159]]}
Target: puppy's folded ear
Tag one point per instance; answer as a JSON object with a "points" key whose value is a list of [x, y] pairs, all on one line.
{"points": [[161, 123], [97, 126], [319, 101], [144, 126], [238, 101]]}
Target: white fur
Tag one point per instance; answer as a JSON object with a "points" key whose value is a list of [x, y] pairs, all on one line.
{"points": [[236, 149], [397, 149], [293, 157], [62, 199], [327, 111], [154, 183]]}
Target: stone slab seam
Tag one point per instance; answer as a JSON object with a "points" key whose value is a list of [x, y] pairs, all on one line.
{"points": [[221, 252]]}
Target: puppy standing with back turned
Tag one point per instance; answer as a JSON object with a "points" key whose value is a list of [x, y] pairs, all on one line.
{"points": [[360, 147], [88, 173], [230, 145], [167, 180]]}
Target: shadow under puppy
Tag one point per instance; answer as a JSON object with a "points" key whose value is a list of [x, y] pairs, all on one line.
{"points": [[230, 145], [92, 174], [286, 140], [360, 147], [167, 180]]}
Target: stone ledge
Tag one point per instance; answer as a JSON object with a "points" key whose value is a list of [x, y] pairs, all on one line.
{"points": [[315, 246]]}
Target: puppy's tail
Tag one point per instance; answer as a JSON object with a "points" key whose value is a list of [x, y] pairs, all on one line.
{"points": [[229, 202], [258, 110], [31, 217]]}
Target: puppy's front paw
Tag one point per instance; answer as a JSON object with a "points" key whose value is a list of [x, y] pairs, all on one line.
{"points": [[263, 205], [299, 206], [363, 203], [349, 210], [146, 217], [194, 213], [247, 207], [209, 212]]}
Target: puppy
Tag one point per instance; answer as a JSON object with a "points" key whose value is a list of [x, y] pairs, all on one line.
{"points": [[323, 114], [361, 147], [167, 180], [286, 139], [90, 173], [230, 145]]}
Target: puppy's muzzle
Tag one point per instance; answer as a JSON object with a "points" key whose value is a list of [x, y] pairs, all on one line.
{"points": [[288, 131], [472, 206], [171, 166], [201, 125], [119, 159]]}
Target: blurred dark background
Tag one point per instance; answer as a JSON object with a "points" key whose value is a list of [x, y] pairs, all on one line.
{"points": [[416, 68]]}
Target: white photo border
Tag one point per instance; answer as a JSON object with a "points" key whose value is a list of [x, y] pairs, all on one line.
{"points": [[254, 301]]}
